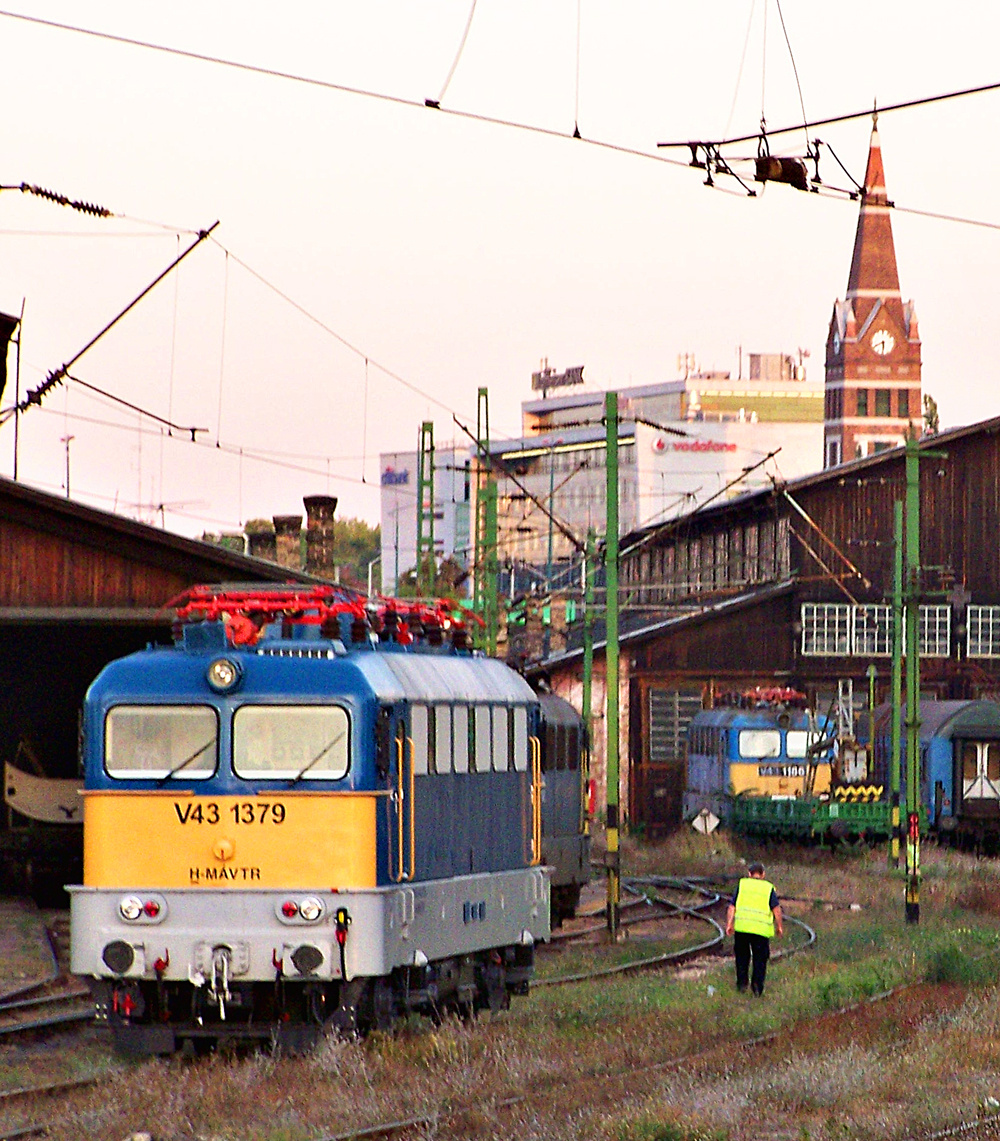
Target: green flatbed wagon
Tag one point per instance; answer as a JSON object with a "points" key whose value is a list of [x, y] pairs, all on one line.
{"points": [[811, 819]]}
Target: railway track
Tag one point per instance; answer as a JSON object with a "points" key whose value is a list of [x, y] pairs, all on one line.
{"points": [[63, 1005], [650, 905], [54, 1004]]}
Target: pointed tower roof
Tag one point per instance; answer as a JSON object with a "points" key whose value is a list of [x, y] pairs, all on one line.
{"points": [[873, 267]]}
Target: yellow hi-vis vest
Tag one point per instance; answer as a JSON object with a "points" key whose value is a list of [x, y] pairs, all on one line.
{"points": [[753, 908]]}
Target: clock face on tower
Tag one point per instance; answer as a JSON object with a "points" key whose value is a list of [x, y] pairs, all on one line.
{"points": [[883, 342]]}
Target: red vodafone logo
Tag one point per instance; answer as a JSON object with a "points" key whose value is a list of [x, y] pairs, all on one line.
{"points": [[659, 445]]}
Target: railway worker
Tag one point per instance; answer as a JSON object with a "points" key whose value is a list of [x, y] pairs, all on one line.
{"points": [[753, 917]]}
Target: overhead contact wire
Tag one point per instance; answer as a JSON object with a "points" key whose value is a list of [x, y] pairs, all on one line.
{"points": [[328, 85]]}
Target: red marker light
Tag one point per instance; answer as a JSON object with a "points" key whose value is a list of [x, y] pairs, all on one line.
{"points": [[289, 909], [151, 908]]}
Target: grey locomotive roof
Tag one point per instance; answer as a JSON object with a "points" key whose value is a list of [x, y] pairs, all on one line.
{"points": [[432, 677]]}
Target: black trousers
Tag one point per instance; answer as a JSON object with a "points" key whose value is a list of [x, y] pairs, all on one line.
{"points": [[757, 947]]}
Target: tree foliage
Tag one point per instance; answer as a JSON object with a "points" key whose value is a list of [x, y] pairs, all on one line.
{"points": [[355, 544]]}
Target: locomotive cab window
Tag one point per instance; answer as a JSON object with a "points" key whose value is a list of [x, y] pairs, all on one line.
{"points": [[797, 742], [291, 742], [161, 741], [760, 743]]}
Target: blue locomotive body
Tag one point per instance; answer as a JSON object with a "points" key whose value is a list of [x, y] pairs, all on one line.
{"points": [[305, 816], [565, 825]]}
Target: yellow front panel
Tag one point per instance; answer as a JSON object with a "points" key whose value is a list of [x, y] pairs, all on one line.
{"points": [[164, 840], [775, 778]]}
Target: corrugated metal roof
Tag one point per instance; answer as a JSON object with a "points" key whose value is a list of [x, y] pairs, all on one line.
{"points": [[432, 677]]}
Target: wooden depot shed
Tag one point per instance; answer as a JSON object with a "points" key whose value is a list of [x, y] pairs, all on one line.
{"points": [[78, 588], [792, 586]]}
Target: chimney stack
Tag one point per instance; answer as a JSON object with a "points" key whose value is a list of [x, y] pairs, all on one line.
{"points": [[260, 543], [320, 511], [288, 540]]}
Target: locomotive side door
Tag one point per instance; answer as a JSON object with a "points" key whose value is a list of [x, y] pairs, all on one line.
{"points": [[394, 759]]}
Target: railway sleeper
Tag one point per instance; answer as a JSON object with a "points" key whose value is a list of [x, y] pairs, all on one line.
{"points": [[148, 1017]]}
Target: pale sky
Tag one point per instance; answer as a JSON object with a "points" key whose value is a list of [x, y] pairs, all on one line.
{"points": [[449, 252]]}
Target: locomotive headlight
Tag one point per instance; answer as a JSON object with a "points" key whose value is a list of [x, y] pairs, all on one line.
{"points": [[223, 675], [311, 908], [130, 907]]}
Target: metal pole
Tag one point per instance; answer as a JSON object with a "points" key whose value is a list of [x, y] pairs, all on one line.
{"points": [[588, 661], [871, 674], [912, 605], [897, 683], [547, 632], [395, 583], [491, 568], [426, 569], [611, 661]]}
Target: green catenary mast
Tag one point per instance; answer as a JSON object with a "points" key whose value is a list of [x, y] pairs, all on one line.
{"points": [[911, 596], [896, 697], [611, 661], [426, 576], [485, 601]]}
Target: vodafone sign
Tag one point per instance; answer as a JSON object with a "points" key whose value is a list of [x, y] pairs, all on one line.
{"points": [[660, 446]]}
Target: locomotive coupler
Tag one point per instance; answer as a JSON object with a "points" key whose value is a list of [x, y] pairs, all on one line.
{"points": [[218, 988]]}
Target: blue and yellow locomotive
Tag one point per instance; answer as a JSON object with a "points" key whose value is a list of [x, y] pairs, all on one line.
{"points": [[309, 813], [762, 745]]}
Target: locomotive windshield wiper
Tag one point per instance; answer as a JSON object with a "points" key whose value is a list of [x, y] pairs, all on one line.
{"points": [[319, 756], [187, 760]]}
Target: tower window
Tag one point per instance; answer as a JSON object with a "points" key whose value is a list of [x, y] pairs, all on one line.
{"points": [[883, 398], [862, 401], [903, 406]]}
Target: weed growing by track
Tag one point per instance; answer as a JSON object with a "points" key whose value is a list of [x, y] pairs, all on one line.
{"points": [[657, 1056]]}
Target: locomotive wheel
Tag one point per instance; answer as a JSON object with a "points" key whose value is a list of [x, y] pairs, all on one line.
{"points": [[381, 1006]]}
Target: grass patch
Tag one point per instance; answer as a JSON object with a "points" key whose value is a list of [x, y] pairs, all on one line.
{"points": [[555, 1048]]}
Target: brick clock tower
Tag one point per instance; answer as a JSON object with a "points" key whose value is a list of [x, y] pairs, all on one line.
{"points": [[873, 397]]}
